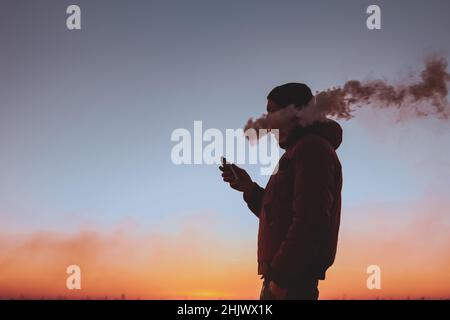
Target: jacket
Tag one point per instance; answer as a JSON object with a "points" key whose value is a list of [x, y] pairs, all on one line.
{"points": [[299, 209]]}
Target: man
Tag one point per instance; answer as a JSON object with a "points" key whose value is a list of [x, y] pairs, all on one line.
{"points": [[299, 210]]}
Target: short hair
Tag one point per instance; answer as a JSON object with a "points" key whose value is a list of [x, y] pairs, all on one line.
{"points": [[298, 94]]}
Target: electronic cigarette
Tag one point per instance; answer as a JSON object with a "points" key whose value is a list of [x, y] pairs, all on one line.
{"points": [[225, 163]]}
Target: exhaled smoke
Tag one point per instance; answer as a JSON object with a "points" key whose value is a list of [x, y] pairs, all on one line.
{"points": [[426, 97]]}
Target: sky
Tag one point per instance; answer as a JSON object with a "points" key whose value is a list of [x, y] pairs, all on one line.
{"points": [[86, 118]]}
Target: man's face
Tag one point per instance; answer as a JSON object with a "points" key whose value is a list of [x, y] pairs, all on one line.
{"points": [[284, 127], [272, 106]]}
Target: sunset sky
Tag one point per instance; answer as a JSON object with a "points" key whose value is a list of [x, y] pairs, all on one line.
{"points": [[85, 152]]}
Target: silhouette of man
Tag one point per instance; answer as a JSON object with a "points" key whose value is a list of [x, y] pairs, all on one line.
{"points": [[299, 210]]}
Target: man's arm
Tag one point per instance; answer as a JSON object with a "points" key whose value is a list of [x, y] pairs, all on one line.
{"points": [[253, 197], [239, 180], [312, 201]]}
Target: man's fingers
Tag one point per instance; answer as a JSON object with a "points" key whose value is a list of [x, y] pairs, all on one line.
{"points": [[225, 168], [236, 168], [234, 184], [227, 175], [231, 174], [229, 179]]}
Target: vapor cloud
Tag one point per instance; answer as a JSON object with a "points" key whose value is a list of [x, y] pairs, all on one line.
{"points": [[421, 96]]}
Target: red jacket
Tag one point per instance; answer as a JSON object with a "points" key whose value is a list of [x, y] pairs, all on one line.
{"points": [[299, 210]]}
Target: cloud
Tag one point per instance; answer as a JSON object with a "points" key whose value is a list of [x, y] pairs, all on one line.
{"points": [[192, 262], [409, 241]]}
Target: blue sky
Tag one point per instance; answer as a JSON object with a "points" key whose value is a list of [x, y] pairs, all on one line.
{"points": [[86, 116]]}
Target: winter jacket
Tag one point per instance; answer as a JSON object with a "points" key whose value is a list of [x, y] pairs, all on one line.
{"points": [[299, 209]]}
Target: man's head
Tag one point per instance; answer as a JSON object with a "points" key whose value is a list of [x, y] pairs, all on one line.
{"points": [[297, 94]]}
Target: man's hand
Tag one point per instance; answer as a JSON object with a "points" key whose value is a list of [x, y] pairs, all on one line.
{"points": [[239, 179]]}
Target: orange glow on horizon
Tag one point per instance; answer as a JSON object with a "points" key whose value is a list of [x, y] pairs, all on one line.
{"points": [[195, 264]]}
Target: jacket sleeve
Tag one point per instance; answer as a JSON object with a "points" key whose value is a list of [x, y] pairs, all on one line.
{"points": [[254, 198], [312, 202]]}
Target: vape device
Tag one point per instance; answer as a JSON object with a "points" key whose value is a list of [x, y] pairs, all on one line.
{"points": [[225, 163]]}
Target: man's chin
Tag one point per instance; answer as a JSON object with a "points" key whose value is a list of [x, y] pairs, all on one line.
{"points": [[283, 143]]}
